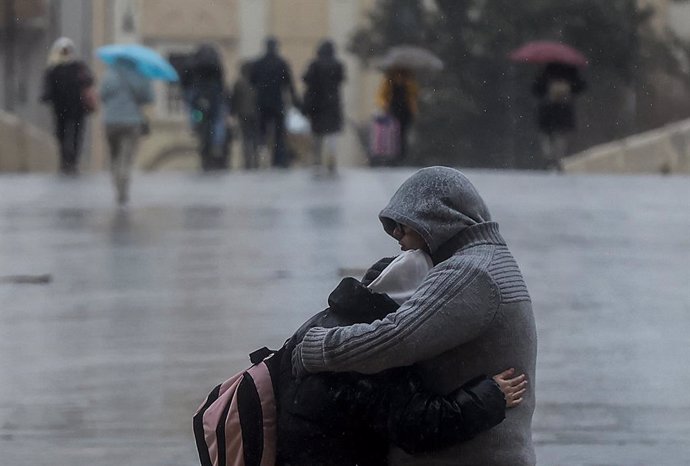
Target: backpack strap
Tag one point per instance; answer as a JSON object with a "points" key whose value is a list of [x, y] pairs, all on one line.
{"points": [[259, 355]]}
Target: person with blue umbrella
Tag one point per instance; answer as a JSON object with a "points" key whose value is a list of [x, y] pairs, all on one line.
{"points": [[124, 91]]}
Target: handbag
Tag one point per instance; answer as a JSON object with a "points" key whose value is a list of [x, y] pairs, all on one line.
{"points": [[89, 99], [384, 137]]}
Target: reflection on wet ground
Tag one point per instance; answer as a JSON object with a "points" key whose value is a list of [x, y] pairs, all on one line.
{"points": [[148, 307]]}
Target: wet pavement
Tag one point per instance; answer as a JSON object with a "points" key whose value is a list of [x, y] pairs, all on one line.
{"points": [[135, 314]]}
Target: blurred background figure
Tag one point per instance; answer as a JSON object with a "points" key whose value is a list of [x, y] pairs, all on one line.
{"points": [[556, 87], [272, 77], [397, 97], [68, 88], [322, 105], [243, 105], [124, 91], [209, 108]]}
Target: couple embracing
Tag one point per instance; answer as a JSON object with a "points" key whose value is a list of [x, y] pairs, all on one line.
{"points": [[410, 373]]}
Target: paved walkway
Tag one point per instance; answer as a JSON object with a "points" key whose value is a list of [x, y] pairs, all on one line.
{"points": [[137, 313]]}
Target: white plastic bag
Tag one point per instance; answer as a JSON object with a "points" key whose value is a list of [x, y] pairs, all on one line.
{"points": [[296, 123]]}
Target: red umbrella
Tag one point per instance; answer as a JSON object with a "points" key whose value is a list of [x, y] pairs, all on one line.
{"points": [[544, 51]]}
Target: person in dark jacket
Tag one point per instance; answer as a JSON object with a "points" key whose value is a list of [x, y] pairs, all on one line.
{"points": [[64, 83], [244, 108], [208, 102], [322, 103], [556, 87], [349, 419], [272, 77]]}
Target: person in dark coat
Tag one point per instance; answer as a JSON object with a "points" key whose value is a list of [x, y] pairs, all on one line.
{"points": [[322, 102], [556, 87], [64, 83], [208, 104], [244, 108], [397, 97], [272, 77], [349, 419]]}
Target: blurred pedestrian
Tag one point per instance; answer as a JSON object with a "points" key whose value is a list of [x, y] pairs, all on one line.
{"points": [[208, 101], [322, 104], [67, 86], [397, 97], [556, 87], [124, 91], [244, 107], [272, 77], [471, 314]]}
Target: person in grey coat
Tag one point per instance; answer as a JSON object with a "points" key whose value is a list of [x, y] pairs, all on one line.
{"points": [[124, 91], [472, 314]]}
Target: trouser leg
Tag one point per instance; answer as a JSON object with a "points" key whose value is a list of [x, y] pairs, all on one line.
{"points": [[280, 156], [250, 135], [318, 150], [123, 144]]}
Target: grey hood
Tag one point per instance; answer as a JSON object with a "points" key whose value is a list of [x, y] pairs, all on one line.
{"points": [[436, 202]]}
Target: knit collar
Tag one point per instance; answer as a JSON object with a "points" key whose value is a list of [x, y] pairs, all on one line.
{"points": [[481, 233]]}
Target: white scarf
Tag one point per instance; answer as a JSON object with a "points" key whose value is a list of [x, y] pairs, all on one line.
{"points": [[402, 276]]}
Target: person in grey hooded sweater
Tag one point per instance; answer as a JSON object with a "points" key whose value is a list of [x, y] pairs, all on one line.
{"points": [[472, 314], [124, 91]]}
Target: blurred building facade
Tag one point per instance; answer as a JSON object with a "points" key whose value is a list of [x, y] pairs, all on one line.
{"points": [[173, 27], [237, 27]]}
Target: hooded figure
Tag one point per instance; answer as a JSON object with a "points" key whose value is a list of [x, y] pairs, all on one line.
{"points": [[65, 80], [472, 314], [209, 108]]}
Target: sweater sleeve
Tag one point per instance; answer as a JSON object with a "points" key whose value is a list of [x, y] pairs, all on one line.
{"points": [[452, 306]]}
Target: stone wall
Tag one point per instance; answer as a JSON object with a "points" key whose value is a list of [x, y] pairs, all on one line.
{"points": [[24, 147], [664, 150]]}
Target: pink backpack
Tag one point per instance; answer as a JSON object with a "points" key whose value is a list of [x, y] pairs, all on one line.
{"points": [[384, 137], [236, 425]]}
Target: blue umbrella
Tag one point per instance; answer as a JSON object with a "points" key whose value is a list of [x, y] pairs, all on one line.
{"points": [[149, 62]]}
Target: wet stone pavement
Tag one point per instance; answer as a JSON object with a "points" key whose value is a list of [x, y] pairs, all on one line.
{"points": [[135, 314]]}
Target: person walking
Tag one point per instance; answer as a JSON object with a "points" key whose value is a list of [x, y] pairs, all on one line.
{"points": [[272, 77], [397, 97], [322, 104], [556, 87], [471, 314], [67, 84], [244, 107], [209, 108], [124, 91]]}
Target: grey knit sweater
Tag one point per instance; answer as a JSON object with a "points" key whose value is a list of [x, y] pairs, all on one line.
{"points": [[471, 315]]}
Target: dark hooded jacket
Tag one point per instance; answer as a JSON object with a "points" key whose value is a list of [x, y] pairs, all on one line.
{"points": [[322, 103], [348, 419], [472, 314]]}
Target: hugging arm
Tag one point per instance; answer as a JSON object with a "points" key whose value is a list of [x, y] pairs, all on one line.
{"points": [[452, 306], [396, 407]]}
